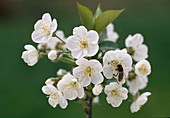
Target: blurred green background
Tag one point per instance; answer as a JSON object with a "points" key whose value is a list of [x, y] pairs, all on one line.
{"points": [[20, 85]]}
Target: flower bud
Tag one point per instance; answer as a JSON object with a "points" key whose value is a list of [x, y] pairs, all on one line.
{"points": [[61, 72], [30, 56], [96, 100], [97, 89], [41, 46], [143, 68], [52, 55]]}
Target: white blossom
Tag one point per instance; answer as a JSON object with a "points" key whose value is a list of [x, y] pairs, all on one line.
{"points": [[139, 102], [97, 89], [137, 83], [111, 34], [115, 94], [136, 48], [30, 56], [143, 68], [52, 55], [88, 71], [70, 87], [44, 29], [112, 60], [83, 43], [55, 96]]}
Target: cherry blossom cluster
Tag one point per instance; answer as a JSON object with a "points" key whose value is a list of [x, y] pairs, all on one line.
{"points": [[93, 71]]}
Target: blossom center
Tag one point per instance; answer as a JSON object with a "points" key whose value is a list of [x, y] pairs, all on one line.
{"points": [[44, 28], [115, 92], [55, 97], [83, 43], [74, 85], [114, 63], [88, 71], [143, 69]]}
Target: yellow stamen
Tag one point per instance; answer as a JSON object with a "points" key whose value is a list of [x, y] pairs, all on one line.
{"points": [[143, 69], [83, 43], [88, 71]]}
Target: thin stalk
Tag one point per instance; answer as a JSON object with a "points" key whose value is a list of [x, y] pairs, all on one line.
{"points": [[60, 39]]}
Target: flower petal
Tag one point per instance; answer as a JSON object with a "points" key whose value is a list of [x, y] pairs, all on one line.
{"points": [[47, 17], [78, 54], [108, 72], [63, 102], [82, 62], [96, 65], [64, 81], [141, 53], [70, 94], [134, 107], [97, 78], [81, 93], [40, 38], [46, 90], [54, 25], [52, 102], [84, 80], [109, 99], [93, 36], [72, 43], [80, 32], [29, 47], [116, 102], [93, 49]]}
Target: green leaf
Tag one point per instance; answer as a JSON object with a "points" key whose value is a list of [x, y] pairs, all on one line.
{"points": [[105, 19], [107, 45], [86, 16], [98, 12]]}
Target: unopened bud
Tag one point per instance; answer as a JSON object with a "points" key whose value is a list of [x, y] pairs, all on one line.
{"points": [[52, 55]]}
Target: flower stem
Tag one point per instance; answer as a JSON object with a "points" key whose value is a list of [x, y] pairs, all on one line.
{"points": [[60, 39], [88, 109]]}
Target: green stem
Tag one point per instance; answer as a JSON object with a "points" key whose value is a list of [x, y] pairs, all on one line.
{"points": [[68, 61]]}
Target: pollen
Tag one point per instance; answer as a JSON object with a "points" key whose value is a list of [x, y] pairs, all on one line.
{"points": [[83, 43], [44, 28], [114, 63], [55, 97], [88, 71], [143, 69], [115, 92]]}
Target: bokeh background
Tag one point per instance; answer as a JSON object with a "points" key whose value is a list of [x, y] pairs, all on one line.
{"points": [[20, 85]]}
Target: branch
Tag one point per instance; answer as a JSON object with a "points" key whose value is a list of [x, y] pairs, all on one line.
{"points": [[88, 108]]}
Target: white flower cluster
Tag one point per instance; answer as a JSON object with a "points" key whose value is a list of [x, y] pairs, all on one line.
{"points": [[90, 76], [43, 34]]}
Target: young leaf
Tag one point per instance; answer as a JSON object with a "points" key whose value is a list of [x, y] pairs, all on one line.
{"points": [[86, 16], [98, 12], [105, 19], [107, 45]]}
